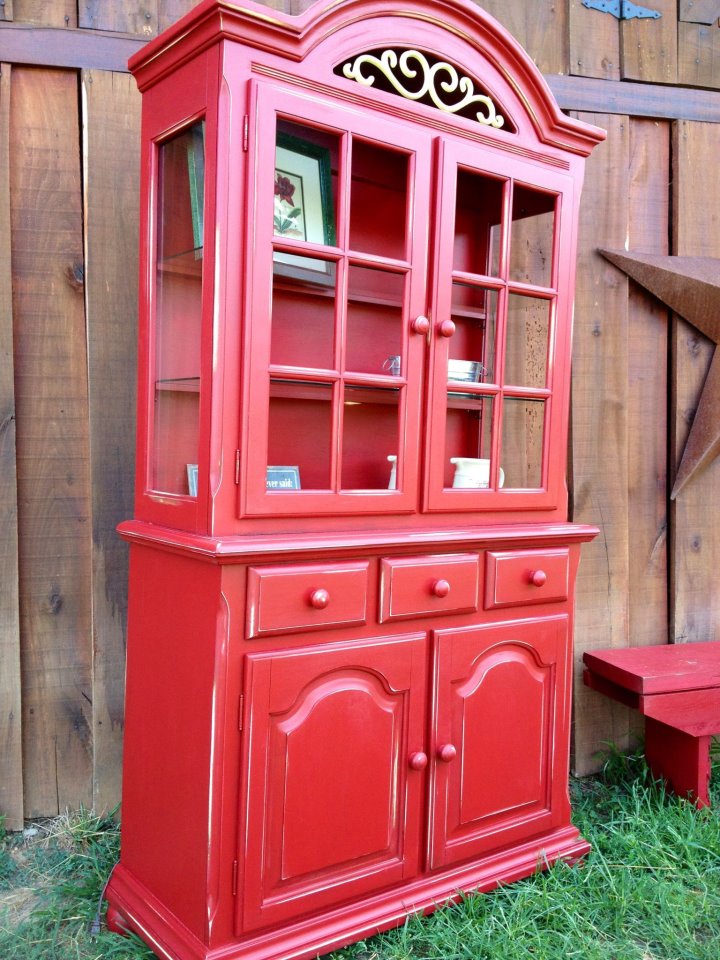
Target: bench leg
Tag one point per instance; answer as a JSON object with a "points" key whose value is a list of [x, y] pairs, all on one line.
{"points": [[679, 758]]}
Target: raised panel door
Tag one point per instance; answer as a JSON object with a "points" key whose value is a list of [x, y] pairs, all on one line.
{"points": [[332, 803], [496, 777]]}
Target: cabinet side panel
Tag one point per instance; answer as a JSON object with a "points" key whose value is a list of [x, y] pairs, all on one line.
{"points": [[168, 736]]}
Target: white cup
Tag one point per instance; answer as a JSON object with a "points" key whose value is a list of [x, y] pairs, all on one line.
{"points": [[473, 472]]}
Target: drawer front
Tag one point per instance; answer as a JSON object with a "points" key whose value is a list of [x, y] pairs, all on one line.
{"points": [[520, 577], [307, 597], [423, 586]]}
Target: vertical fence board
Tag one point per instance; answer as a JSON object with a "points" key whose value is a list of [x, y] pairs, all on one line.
{"points": [[540, 27], [699, 54], [599, 442], [170, 11], [52, 441], [648, 361], [124, 16], [112, 135], [11, 794], [46, 13], [594, 43], [649, 47], [695, 547]]}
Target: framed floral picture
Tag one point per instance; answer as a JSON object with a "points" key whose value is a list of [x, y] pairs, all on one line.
{"points": [[302, 207]]}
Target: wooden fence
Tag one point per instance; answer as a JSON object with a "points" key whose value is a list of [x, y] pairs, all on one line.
{"points": [[69, 134]]}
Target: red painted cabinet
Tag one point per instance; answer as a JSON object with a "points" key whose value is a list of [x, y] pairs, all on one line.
{"points": [[351, 569]]}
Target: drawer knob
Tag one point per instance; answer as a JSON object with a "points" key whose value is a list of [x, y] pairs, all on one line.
{"points": [[420, 324], [538, 578], [441, 588], [319, 599], [446, 328], [418, 761], [446, 752]]}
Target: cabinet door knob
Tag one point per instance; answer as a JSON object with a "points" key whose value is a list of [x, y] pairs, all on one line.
{"points": [[319, 599], [446, 752], [420, 324], [446, 328], [441, 588], [538, 578], [418, 761]]}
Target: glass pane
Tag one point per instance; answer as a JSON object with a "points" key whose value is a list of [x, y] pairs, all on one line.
{"points": [[378, 196], [472, 346], [303, 312], [531, 237], [478, 208], [526, 346], [305, 176], [299, 435], [374, 321], [468, 434], [370, 437], [523, 431], [181, 191]]}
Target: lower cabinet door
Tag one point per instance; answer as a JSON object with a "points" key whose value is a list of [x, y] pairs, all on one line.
{"points": [[332, 799], [500, 736]]}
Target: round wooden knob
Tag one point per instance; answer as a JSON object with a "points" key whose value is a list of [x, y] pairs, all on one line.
{"points": [[420, 325], [446, 752], [418, 761], [319, 599], [446, 328], [441, 588], [538, 578]]}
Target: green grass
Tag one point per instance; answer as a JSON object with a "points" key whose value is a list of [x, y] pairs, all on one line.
{"points": [[650, 890]]}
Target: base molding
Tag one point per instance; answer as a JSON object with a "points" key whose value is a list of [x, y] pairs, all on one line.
{"points": [[132, 906]]}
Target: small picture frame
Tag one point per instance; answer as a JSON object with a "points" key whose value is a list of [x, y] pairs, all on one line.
{"points": [[192, 479], [303, 208], [280, 479]]}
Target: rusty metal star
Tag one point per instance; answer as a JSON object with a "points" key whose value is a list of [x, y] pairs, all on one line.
{"points": [[690, 286]]}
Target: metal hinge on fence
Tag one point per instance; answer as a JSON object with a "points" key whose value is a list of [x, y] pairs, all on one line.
{"points": [[622, 9]]}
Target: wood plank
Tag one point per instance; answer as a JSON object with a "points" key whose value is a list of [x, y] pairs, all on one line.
{"points": [[51, 47], [47, 13], [11, 791], [125, 16], [112, 159], [170, 11], [52, 441], [659, 669], [649, 47], [599, 433], [699, 54], [541, 28], [594, 43], [699, 11], [695, 544], [646, 100], [648, 345]]}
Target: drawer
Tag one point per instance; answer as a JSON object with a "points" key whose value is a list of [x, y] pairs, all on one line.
{"points": [[423, 586], [306, 597], [519, 577]]}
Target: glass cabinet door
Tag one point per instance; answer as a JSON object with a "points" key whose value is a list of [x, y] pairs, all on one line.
{"points": [[494, 321], [336, 304], [175, 398]]}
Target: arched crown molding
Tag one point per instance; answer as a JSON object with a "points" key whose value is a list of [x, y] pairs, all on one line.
{"points": [[508, 72]]}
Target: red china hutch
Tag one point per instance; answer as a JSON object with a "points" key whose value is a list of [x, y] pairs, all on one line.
{"points": [[351, 570]]}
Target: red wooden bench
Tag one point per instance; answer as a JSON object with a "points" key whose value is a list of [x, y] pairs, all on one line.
{"points": [[676, 687]]}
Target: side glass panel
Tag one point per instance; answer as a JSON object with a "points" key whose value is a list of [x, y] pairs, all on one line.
{"points": [[523, 432], [176, 400], [531, 237]]}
